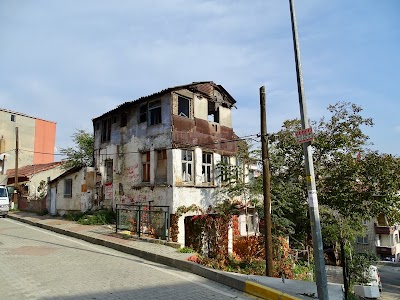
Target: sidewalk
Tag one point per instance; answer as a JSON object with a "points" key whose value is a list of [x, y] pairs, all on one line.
{"points": [[260, 286]]}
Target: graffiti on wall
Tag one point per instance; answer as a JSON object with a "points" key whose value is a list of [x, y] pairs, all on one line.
{"points": [[132, 172], [108, 191], [142, 196]]}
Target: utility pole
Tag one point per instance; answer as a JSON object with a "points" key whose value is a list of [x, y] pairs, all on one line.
{"points": [[16, 169], [266, 186], [322, 284]]}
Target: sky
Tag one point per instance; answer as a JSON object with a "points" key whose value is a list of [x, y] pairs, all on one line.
{"points": [[71, 61]]}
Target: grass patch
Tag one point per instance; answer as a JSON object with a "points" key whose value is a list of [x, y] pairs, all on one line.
{"points": [[186, 250]]}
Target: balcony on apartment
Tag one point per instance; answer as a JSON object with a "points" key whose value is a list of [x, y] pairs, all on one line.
{"points": [[386, 250], [384, 229]]}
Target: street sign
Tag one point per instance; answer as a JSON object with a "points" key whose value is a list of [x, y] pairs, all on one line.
{"points": [[304, 135]]}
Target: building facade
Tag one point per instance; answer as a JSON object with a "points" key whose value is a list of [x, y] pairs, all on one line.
{"points": [[381, 238], [71, 192], [163, 148], [36, 139]]}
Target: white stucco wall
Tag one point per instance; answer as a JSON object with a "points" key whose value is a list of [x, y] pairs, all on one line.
{"points": [[35, 179]]}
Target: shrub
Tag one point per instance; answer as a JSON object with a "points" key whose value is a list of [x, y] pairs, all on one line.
{"points": [[101, 217]]}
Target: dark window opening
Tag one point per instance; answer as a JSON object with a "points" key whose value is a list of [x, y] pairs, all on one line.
{"points": [[213, 112], [12, 118], [124, 119], [143, 114], [109, 171], [106, 130], [155, 112], [183, 106], [68, 188]]}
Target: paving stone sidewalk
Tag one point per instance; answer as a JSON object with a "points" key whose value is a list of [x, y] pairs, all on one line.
{"points": [[161, 252]]}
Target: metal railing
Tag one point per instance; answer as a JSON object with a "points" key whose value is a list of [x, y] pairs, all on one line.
{"points": [[143, 219]]}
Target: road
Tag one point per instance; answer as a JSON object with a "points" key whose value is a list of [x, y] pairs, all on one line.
{"points": [[390, 277], [39, 264]]}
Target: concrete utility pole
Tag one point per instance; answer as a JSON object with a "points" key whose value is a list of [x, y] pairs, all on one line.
{"points": [[322, 284], [266, 186], [16, 169]]}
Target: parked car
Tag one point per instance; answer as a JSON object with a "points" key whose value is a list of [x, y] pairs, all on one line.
{"points": [[375, 277], [4, 201]]}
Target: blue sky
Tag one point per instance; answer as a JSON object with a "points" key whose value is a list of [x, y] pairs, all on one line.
{"points": [[71, 61]]}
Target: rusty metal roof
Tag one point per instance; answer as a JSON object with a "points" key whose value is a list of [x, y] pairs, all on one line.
{"points": [[167, 90], [29, 170]]}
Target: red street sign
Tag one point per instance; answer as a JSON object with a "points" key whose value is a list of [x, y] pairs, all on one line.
{"points": [[304, 135]]}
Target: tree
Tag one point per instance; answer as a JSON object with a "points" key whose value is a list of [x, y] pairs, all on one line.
{"points": [[353, 182], [82, 154]]}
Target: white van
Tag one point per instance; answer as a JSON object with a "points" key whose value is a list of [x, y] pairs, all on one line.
{"points": [[4, 201]]}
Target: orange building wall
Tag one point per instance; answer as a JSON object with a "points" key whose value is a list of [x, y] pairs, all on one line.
{"points": [[45, 139]]}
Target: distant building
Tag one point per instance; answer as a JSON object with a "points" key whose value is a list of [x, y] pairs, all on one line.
{"points": [[381, 238], [36, 139]]}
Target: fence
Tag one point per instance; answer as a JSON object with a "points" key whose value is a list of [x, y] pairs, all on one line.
{"points": [[140, 219]]}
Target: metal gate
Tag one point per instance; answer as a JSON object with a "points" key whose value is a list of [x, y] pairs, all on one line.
{"points": [[144, 220]]}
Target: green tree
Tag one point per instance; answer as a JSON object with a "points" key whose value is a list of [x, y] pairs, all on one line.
{"points": [[353, 182], [82, 154]]}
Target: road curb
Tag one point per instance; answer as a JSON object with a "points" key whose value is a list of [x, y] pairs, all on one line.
{"points": [[245, 286]]}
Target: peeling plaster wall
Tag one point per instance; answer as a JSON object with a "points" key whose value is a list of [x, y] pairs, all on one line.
{"points": [[125, 150], [64, 204]]}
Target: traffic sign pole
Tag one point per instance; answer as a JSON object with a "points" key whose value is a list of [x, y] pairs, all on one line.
{"points": [[322, 283]]}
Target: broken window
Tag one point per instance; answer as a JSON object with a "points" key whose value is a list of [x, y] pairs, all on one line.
{"points": [[146, 166], [124, 119], [187, 165], [207, 167], [161, 171], [109, 170], [106, 130], [143, 114], [155, 112], [213, 112], [68, 188], [183, 107], [225, 168]]}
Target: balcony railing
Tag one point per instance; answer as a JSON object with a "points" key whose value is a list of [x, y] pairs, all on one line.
{"points": [[381, 250], [384, 229]]}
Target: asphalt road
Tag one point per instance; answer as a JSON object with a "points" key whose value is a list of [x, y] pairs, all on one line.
{"points": [[39, 264], [390, 277]]}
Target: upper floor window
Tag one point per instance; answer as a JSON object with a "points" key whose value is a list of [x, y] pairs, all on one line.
{"points": [[143, 114], [106, 130], [12, 118], [161, 166], [124, 119], [183, 107], [225, 168], [187, 165], [207, 167], [155, 112], [150, 113], [362, 239], [146, 166], [213, 112]]}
